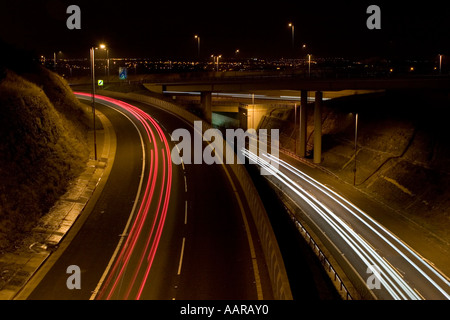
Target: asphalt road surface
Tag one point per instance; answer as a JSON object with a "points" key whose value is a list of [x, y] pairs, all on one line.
{"points": [[158, 230], [388, 268]]}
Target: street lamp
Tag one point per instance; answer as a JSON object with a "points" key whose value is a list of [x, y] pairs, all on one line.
{"points": [[103, 47], [356, 140], [440, 63], [309, 65], [292, 31], [54, 58], [92, 56], [198, 44], [216, 60]]}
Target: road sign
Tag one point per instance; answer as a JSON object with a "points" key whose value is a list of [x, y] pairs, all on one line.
{"points": [[100, 83], [122, 73]]}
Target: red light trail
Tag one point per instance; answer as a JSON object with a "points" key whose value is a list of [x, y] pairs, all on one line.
{"points": [[154, 205]]}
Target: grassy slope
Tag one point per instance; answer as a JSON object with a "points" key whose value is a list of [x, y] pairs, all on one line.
{"points": [[43, 145]]}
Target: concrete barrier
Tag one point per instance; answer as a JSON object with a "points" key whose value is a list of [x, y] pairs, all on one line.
{"points": [[274, 260]]}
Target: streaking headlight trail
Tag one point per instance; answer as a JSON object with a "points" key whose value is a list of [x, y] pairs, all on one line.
{"points": [[403, 274]]}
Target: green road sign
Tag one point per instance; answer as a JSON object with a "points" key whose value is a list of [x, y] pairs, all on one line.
{"points": [[100, 83]]}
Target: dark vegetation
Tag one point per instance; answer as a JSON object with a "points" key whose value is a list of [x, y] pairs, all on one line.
{"points": [[43, 143]]}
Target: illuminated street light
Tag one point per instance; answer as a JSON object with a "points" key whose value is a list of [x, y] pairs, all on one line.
{"points": [[92, 54], [309, 65], [440, 63], [220, 56], [292, 31], [216, 60], [198, 44], [103, 47]]}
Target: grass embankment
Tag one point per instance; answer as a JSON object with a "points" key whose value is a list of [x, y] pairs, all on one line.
{"points": [[43, 146]]}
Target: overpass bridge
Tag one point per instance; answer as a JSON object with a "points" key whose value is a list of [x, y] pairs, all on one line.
{"points": [[246, 84]]}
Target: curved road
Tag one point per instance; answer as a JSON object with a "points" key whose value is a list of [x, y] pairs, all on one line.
{"points": [[385, 265], [158, 230]]}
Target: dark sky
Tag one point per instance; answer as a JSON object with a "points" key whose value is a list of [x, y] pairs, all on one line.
{"points": [[257, 28]]}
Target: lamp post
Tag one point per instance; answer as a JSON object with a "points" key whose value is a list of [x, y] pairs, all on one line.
{"points": [[356, 140], [55, 55], [291, 25], [92, 54], [440, 63], [309, 65], [103, 46], [216, 61], [198, 45]]}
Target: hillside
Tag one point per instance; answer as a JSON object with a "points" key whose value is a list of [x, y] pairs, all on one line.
{"points": [[43, 145], [403, 154]]}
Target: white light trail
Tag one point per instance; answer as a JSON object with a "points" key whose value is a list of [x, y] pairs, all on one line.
{"points": [[391, 279]]}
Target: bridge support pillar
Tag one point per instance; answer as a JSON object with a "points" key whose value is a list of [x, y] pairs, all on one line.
{"points": [[301, 141], [318, 127], [205, 104]]}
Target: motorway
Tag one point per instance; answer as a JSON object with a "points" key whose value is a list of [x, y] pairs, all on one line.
{"points": [[158, 231], [383, 265]]}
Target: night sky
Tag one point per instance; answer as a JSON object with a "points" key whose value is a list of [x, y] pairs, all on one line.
{"points": [[166, 29]]}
